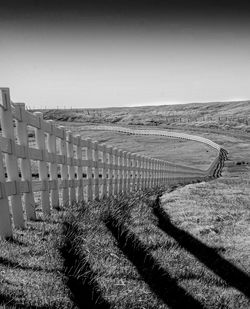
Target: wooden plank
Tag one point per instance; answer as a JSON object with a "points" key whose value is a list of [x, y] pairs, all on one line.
{"points": [[5, 145], [96, 169], [53, 165], [42, 166], [58, 132], [89, 170], [39, 185], [16, 112], [45, 126], [72, 191], [11, 159], [133, 171], [33, 120], [5, 217], [80, 196], [64, 169], [35, 154], [120, 170], [104, 171], [130, 166], [22, 134], [124, 172], [115, 171], [110, 170]]}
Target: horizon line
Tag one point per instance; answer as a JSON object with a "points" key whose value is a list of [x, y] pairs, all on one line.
{"points": [[159, 103]]}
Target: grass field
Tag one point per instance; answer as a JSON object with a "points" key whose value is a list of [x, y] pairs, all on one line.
{"points": [[233, 115], [184, 152], [31, 269], [175, 247], [138, 253]]}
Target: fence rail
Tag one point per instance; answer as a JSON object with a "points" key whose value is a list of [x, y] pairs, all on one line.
{"points": [[69, 167]]}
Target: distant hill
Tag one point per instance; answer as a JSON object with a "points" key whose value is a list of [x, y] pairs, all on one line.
{"points": [[225, 115]]}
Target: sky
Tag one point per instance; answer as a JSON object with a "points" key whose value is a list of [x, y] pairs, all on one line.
{"points": [[124, 53]]}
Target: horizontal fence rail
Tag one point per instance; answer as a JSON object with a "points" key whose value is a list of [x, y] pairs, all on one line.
{"points": [[39, 157]]}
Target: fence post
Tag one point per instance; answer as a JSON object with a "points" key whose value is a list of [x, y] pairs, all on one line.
{"points": [[137, 169], [115, 170], [158, 179], [53, 166], [150, 176], [79, 169], [89, 170], [104, 171], [141, 170], [42, 165], [96, 169], [125, 172], [143, 174], [22, 134], [120, 170], [164, 172], [70, 150], [110, 171], [155, 171], [135, 178], [64, 169], [159, 172], [5, 221], [133, 170], [146, 171], [152, 172], [129, 175], [11, 159]]}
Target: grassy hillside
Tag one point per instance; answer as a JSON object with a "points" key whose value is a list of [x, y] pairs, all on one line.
{"points": [[224, 115], [185, 252], [189, 249]]}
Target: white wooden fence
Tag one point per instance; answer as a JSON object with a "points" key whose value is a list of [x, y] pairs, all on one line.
{"points": [[70, 168]]}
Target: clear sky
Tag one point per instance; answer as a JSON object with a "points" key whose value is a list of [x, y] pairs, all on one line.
{"points": [[118, 53]]}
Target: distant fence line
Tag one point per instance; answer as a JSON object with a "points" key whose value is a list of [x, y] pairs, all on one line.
{"points": [[215, 167], [70, 168]]}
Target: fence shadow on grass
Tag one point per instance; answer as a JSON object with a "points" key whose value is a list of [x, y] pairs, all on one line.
{"points": [[157, 278], [80, 278], [231, 274]]}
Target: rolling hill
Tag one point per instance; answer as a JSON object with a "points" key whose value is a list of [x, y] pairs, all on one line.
{"points": [[221, 115]]}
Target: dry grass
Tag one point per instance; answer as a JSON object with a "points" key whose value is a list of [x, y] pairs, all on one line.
{"points": [[99, 274], [31, 268], [191, 252], [133, 252], [216, 214], [164, 116], [173, 150]]}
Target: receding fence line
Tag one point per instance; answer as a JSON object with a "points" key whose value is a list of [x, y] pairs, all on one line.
{"points": [[70, 168], [214, 168]]}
